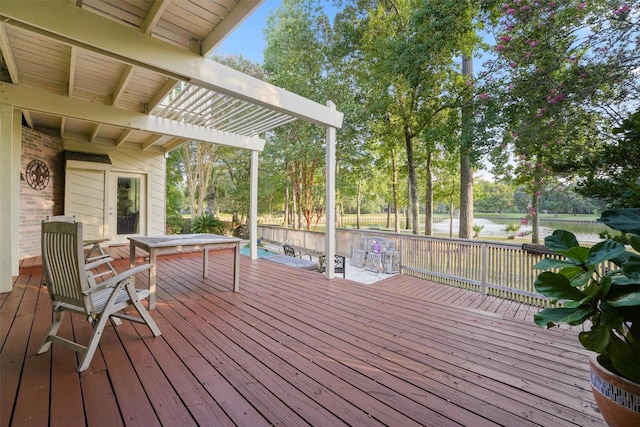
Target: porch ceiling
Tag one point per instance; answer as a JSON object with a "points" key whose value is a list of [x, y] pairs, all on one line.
{"points": [[135, 73]]}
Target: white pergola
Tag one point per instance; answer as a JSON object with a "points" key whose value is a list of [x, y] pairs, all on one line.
{"points": [[106, 72]]}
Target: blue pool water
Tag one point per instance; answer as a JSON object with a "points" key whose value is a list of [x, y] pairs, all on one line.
{"points": [[262, 253]]}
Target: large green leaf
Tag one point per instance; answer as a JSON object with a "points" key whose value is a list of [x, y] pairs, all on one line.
{"points": [[577, 275], [624, 281], [624, 358], [549, 263], [626, 220], [634, 241], [577, 254], [561, 240], [604, 251], [597, 339], [572, 316], [625, 296], [557, 287], [631, 267]]}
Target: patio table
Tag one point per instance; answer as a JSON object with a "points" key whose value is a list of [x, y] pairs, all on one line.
{"points": [[155, 245]]}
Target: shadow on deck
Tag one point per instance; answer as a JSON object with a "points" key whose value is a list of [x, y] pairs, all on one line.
{"points": [[293, 348]]}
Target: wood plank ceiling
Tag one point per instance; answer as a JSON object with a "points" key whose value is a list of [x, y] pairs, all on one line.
{"points": [[46, 61]]}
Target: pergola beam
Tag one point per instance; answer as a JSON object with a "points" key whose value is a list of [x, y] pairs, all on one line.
{"points": [[46, 102], [77, 27]]}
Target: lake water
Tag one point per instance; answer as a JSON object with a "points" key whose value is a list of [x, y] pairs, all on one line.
{"points": [[584, 231]]}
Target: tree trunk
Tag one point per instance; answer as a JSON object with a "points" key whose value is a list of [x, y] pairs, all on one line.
{"points": [[535, 222], [451, 207], [358, 203], [286, 205], [407, 221], [428, 202], [394, 165], [466, 198], [413, 181], [388, 216], [466, 169]]}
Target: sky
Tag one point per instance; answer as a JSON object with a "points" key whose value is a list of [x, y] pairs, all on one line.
{"points": [[248, 38]]}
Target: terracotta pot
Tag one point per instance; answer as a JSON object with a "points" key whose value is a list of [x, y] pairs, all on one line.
{"points": [[618, 399]]}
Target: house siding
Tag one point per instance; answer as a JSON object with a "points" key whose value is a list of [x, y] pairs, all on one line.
{"points": [[36, 205], [151, 163]]}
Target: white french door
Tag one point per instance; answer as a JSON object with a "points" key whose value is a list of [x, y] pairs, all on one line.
{"points": [[127, 210]]}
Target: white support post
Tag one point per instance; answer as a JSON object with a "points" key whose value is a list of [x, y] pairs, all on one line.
{"points": [[330, 214], [253, 205], [10, 146]]}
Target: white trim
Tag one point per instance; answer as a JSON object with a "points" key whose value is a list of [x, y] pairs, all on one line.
{"points": [[10, 168], [253, 205], [68, 24], [47, 102], [330, 202]]}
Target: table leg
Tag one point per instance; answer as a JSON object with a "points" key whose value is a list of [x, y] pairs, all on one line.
{"points": [[132, 255], [205, 263], [152, 279], [236, 269]]}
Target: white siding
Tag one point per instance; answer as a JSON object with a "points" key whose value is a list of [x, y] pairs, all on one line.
{"points": [[84, 198], [150, 162]]}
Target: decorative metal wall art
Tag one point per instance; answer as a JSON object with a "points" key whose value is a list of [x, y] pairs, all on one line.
{"points": [[37, 174]]}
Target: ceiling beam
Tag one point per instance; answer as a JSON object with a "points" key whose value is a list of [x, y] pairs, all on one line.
{"points": [[49, 103], [153, 16], [77, 27], [230, 22]]}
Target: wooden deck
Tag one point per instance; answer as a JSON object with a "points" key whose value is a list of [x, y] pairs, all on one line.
{"points": [[292, 348]]}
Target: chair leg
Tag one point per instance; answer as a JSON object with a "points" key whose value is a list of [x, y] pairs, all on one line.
{"points": [[133, 296], [98, 328], [53, 330]]}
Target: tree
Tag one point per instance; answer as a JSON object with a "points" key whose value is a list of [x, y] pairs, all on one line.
{"points": [[199, 159], [406, 52], [612, 173], [551, 79], [295, 59], [494, 197]]}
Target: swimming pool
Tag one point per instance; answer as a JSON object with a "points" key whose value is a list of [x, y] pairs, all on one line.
{"points": [[262, 252]]}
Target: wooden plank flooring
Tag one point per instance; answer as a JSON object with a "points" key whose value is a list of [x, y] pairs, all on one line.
{"points": [[293, 349]]}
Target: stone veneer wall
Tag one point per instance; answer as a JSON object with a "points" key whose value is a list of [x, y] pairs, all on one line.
{"points": [[35, 205]]}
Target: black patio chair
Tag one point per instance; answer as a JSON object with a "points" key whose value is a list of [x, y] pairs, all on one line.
{"points": [[339, 267]]}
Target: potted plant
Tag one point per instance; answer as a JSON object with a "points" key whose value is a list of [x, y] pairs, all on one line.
{"points": [[599, 287]]}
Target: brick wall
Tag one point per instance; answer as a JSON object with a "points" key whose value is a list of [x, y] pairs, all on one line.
{"points": [[36, 204]]}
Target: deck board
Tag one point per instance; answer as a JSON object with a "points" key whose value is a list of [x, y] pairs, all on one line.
{"points": [[293, 348]]}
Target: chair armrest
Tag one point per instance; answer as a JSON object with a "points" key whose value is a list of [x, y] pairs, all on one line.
{"points": [[96, 262], [111, 281]]}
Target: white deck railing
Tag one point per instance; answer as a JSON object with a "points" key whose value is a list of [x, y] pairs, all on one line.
{"points": [[494, 268]]}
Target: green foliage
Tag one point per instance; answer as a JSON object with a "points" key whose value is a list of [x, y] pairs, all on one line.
{"points": [[295, 58], [611, 173], [175, 224], [562, 72], [600, 284], [208, 224], [174, 184]]}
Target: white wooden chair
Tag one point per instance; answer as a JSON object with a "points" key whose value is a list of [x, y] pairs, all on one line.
{"points": [[72, 287], [92, 245]]}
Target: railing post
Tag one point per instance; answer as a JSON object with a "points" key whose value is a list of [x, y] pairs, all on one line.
{"points": [[484, 259]]}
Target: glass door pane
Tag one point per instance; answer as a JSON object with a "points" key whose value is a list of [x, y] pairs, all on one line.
{"points": [[128, 205]]}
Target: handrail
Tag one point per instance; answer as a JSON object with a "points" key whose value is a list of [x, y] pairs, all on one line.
{"points": [[501, 269]]}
